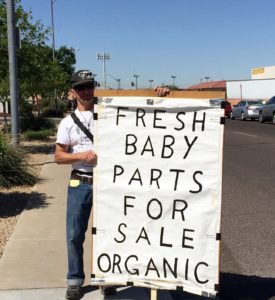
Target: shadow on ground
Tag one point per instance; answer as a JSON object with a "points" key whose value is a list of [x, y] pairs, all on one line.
{"points": [[40, 148], [12, 204], [238, 287]]}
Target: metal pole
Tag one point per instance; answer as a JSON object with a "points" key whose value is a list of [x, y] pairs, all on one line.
{"points": [[104, 56], [173, 77], [104, 71], [118, 83], [53, 42], [136, 77], [241, 91], [13, 72]]}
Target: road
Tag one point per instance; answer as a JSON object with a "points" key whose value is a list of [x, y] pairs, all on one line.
{"points": [[248, 212], [248, 204]]}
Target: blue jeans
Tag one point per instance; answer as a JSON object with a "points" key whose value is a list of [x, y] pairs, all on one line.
{"points": [[79, 204]]}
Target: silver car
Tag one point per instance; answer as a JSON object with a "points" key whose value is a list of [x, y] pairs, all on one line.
{"points": [[267, 111], [246, 109]]}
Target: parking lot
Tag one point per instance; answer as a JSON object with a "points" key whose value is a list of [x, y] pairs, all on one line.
{"points": [[248, 206]]}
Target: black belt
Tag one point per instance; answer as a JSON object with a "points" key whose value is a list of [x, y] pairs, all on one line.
{"points": [[82, 176]]}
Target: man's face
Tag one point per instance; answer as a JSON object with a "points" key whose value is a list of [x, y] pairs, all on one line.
{"points": [[84, 93]]}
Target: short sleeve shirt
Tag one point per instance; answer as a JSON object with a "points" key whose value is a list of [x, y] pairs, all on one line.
{"points": [[70, 134]]}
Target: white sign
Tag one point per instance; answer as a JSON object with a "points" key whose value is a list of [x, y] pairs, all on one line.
{"points": [[157, 193]]}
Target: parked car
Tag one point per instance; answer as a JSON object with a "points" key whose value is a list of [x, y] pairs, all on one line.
{"points": [[246, 109], [221, 102], [267, 111]]}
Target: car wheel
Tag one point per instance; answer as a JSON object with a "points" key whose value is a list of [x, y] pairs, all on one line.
{"points": [[231, 116], [261, 118], [243, 117]]}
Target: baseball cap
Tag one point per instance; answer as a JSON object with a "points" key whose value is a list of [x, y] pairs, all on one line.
{"points": [[82, 77]]}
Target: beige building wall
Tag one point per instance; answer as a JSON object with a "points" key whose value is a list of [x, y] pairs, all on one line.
{"points": [[263, 72]]}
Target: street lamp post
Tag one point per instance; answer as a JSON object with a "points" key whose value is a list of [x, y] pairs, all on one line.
{"points": [[151, 81], [118, 83], [118, 80], [241, 92], [174, 78], [136, 77], [13, 72], [53, 37], [104, 56]]}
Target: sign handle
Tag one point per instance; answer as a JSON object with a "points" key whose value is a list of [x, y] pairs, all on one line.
{"points": [[153, 294]]}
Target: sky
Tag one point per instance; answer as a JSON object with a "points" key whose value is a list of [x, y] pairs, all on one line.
{"points": [[157, 39]]}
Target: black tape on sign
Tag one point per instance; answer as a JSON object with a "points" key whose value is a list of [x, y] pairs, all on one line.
{"points": [[95, 116], [218, 236], [95, 100], [92, 275], [130, 283], [93, 230], [222, 122]]}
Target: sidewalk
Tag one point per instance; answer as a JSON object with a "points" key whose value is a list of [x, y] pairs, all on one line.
{"points": [[34, 263]]}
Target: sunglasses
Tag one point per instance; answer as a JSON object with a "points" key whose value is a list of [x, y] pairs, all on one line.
{"points": [[84, 87]]}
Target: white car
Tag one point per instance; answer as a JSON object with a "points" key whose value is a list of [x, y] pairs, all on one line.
{"points": [[246, 109]]}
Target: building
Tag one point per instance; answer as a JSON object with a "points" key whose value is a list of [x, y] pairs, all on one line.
{"points": [[263, 73], [208, 86]]}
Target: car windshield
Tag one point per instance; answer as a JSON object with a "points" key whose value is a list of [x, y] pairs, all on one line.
{"points": [[215, 102], [255, 103]]}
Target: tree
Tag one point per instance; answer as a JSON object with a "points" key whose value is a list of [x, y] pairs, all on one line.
{"points": [[38, 74]]}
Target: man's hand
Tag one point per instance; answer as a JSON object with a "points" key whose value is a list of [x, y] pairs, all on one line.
{"points": [[162, 91], [89, 157], [63, 157]]}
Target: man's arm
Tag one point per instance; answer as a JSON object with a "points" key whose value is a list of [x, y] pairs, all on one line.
{"points": [[63, 157]]}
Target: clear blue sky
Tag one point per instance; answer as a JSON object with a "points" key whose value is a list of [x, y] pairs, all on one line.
{"points": [[191, 39]]}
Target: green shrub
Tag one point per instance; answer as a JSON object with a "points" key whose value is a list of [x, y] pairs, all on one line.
{"points": [[51, 113], [14, 168], [53, 108], [43, 134], [37, 124], [25, 109], [3, 146]]}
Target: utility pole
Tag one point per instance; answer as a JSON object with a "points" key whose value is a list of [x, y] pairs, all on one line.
{"points": [[118, 83], [118, 80], [104, 56], [13, 72], [53, 37], [136, 77], [174, 78], [151, 81]]}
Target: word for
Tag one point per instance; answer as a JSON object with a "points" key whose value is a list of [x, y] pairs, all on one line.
{"points": [[154, 207]]}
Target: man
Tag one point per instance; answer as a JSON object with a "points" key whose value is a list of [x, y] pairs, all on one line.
{"points": [[74, 147]]}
